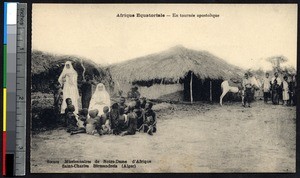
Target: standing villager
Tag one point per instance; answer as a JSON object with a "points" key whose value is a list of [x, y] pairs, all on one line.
{"points": [[122, 104], [143, 102], [247, 85], [266, 87], [68, 80], [58, 97], [285, 91], [255, 85], [133, 94], [70, 117], [100, 99], [295, 90], [276, 83], [86, 90], [114, 118], [292, 91]]}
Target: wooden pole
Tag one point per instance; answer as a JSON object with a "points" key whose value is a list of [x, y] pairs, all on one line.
{"points": [[210, 91], [191, 87]]}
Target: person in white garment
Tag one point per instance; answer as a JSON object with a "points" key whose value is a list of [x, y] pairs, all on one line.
{"points": [[285, 90], [68, 80], [266, 87], [100, 99]]}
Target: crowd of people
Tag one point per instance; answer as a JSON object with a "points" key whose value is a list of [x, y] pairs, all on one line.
{"points": [[98, 115], [133, 113], [274, 89]]}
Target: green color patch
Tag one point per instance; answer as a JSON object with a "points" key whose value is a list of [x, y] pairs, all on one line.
{"points": [[4, 65]]}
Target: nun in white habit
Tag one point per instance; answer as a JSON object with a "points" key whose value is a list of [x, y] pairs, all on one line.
{"points": [[100, 99], [68, 80]]}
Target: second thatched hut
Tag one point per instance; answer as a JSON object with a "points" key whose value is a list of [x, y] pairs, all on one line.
{"points": [[177, 74]]}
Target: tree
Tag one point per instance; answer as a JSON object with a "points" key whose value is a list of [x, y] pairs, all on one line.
{"points": [[276, 61], [289, 70]]}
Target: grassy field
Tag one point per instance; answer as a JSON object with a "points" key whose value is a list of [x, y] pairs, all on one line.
{"points": [[190, 138]]}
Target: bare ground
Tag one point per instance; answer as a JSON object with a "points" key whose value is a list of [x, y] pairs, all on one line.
{"points": [[190, 138]]}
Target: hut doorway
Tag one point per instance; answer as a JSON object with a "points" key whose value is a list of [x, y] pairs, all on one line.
{"points": [[196, 89]]}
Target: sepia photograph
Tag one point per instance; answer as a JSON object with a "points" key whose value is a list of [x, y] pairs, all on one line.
{"points": [[163, 88]]}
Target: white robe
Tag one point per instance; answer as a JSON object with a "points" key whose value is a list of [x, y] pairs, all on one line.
{"points": [[267, 84], [68, 79], [285, 92], [100, 99]]}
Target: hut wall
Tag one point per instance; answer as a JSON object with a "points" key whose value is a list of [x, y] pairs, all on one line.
{"points": [[122, 86], [172, 92]]}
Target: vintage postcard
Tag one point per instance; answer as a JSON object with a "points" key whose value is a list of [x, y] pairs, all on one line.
{"points": [[163, 88]]}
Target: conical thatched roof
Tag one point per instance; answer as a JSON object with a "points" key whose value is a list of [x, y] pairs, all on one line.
{"points": [[174, 64]]}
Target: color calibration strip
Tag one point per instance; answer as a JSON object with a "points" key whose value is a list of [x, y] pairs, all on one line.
{"points": [[4, 93], [9, 87]]}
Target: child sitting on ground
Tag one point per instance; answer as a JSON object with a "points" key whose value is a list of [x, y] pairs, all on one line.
{"points": [[103, 124], [139, 112], [91, 122], [130, 126], [70, 120], [117, 118], [149, 119], [82, 117]]}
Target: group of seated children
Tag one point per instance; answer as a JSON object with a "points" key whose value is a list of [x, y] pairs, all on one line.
{"points": [[119, 119]]}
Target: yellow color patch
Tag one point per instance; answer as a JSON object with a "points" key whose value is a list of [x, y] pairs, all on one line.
{"points": [[4, 109]]}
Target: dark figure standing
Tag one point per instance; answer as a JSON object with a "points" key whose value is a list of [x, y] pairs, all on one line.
{"points": [[133, 94], [247, 85], [122, 104], [86, 90], [58, 97], [139, 112], [114, 118], [275, 92], [292, 91], [143, 102], [276, 89], [70, 118]]}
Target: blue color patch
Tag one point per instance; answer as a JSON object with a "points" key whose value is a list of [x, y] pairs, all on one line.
{"points": [[5, 23]]}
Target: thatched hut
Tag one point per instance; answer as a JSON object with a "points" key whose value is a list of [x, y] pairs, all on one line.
{"points": [[177, 74], [46, 68]]}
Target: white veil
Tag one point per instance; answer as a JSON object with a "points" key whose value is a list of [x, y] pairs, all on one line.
{"points": [[68, 79], [100, 99]]}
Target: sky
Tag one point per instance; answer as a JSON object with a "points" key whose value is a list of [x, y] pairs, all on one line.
{"points": [[243, 35]]}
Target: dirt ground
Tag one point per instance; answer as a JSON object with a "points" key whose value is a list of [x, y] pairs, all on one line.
{"points": [[190, 138]]}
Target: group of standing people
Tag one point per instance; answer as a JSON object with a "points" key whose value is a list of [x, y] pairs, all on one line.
{"points": [[97, 115], [273, 88], [277, 89]]}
